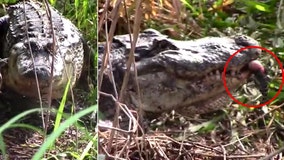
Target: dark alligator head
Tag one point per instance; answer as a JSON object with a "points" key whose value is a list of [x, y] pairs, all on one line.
{"points": [[39, 54], [182, 75]]}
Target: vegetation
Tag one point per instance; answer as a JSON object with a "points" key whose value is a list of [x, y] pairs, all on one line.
{"points": [[238, 132], [72, 132]]}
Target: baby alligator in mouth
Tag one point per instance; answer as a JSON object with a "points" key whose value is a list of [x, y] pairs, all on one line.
{"points": [[180, 75]]}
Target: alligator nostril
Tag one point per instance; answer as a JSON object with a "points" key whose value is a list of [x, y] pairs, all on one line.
{"points": [[43, 73]]}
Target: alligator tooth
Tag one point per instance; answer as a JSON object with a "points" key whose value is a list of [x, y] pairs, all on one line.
{"points": [[217, 72], [218, 75], [212, 76]]}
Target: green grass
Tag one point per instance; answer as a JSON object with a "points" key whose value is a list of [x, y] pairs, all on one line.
{"points": [[54, 135]]}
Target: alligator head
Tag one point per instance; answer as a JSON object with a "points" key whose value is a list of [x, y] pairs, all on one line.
{"points": [[182, 75], [38, 53]]}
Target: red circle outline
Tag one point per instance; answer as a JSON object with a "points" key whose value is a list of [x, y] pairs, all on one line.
{"points": [[226, 87]]}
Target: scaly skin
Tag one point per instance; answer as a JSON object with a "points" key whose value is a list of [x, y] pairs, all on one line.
{"points": [[180, 75], [29, 50]]}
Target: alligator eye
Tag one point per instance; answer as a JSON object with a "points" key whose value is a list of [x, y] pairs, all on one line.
{"points": [[61, 39], [101, 48]]}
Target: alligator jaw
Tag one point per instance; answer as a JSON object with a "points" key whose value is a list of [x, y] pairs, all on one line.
{"points": [[235, 78], [218, 98], [177, 93]]}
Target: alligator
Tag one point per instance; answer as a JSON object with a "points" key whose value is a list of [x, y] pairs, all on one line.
{"points": [[184, 76], [39, 48]]}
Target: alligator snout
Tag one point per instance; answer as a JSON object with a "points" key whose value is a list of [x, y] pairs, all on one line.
{"points": [[43, 73], [28, 64]]}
